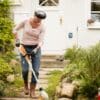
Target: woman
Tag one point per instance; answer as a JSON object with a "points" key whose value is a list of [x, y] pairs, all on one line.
{"points": [[33, 34]]}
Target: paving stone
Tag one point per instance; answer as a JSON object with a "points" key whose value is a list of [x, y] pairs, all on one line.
{"points": [[48, 64]]}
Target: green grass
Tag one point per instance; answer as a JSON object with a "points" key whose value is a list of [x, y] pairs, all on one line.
{"points": [[54, 80]]}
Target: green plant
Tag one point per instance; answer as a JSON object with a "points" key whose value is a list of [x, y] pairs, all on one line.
{"points": [[75, 54], [5, 7], [6, 24], [8, 56], [2, 87], [5, 70], [14, 89], [92, 75], [85, 66], [70, 53], [88, 88], [74, 71], [6, 51], [53, 82], [18, 82], [93, 62]]}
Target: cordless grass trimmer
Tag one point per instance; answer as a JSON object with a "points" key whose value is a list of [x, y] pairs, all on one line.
{"points": [[42, 94]]}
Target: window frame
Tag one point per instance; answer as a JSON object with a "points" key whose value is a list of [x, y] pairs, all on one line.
{"points": [[96, 24], [52, 8]]}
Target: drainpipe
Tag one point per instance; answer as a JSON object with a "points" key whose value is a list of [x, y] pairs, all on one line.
{"points": [[77, 30]]}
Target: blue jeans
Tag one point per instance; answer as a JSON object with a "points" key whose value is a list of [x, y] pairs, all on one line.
{"points": [[35, 59]]}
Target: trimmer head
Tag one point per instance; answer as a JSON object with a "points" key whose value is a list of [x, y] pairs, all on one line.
{"points": [[43, 94], [41, 89]]}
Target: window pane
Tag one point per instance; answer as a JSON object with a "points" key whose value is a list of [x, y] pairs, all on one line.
{"points": [[96, 17], [95, 6], [48, 2]]}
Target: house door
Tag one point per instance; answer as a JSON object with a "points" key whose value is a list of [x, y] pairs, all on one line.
{"points": [[55, 37]]}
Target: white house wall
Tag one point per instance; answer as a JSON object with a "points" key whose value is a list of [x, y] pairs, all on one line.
{"points": [[22, 11], [55, 38], [77, 12], [74, 14]]}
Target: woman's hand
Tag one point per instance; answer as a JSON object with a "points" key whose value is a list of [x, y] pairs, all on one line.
{"points": [[17, 43], [34, 51]]}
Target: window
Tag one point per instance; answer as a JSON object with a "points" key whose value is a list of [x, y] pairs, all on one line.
{"points": [[48, 2], [95, 10], [94, 21]]}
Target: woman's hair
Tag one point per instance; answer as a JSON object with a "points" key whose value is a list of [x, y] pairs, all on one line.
{"points": [[40, 14]]}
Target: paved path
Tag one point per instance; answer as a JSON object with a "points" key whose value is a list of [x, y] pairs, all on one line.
{"points": [[48, 64]]}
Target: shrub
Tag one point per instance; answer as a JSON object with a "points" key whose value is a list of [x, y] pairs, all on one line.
{"points": [[2, 87], [8, 56], [93, 62], [5, 70], [85, 66], [14, 89], [75, 54], [6, 24], [6, 48], [74, 71], [92, 75], [88, 88], [5, 8]]}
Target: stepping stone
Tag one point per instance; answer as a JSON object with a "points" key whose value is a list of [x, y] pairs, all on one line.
{"points": [[48, 64]]}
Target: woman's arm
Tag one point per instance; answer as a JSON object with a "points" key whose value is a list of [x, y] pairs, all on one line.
{"points": [[41, 37], [17, 28]]}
